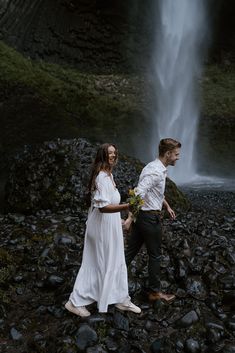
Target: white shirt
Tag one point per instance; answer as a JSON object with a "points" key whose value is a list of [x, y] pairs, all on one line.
{"points": [[151, 186]]}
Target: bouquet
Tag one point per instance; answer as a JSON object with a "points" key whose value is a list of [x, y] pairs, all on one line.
{"points": [[135, 201]]}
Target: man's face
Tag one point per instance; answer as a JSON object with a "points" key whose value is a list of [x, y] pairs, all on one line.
{"points": [[173, 156]]}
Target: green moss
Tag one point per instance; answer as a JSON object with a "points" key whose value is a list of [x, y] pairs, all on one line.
{"points": [[5, 258], [177, 199], [73, 90], [5, 295], [5, 273], [38, 238], [218, 91], [102, 331], [42, 101]]}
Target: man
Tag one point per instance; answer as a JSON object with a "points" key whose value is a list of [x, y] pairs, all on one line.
{"points": [[147, 228]]}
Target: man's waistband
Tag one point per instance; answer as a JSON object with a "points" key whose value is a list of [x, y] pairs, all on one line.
{"points": [[158, 212]]}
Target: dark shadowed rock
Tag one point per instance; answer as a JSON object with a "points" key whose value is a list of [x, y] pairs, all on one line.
{"points": [[54, 176], [120, 321], [192, 346], [85, 337], [187, 320], [15, 334]]}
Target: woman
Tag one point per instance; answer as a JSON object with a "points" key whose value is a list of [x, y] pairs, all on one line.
{"points": [[103, 273]]}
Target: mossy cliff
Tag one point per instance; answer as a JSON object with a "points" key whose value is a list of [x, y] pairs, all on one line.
{"points": [[41, 101]]}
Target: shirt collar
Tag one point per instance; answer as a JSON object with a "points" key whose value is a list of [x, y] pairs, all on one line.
{"points": [[161, 165]]}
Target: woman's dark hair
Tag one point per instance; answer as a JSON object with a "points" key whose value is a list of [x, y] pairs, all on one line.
{"points": [[101, 162]]}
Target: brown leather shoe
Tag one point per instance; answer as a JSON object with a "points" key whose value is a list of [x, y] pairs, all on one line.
{"points": [[168, 298]]}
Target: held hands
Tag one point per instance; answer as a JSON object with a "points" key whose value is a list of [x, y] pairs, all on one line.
{"points": [[126, 224]]}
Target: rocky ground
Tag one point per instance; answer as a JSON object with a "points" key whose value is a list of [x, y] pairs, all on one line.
{"points": [[41, 242], [40, 255]]}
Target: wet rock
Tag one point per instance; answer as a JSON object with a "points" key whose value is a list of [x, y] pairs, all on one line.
{"points": [[96, 349], [182, 269], [64, 239], [218, 312], [181, 293], [85, 337], [210, 277], [214, 335], [20, 290], [138, 333], [57, 312], [219, 267], [192, 346], [179, 346], [133, 286], [196, 288], [120, 321], [95, 320], [227, 281], [229, 298], [230, 322], [111, 345], [17, 218], [15, 334], [156, 346], [53, 281], [187, 320], [229, 348]]}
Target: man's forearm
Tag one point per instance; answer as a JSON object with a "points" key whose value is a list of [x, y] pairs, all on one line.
{"points": [[165, 203]]}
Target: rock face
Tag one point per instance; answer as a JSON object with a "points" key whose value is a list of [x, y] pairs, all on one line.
{"points": [[96, 34], [92, 35], [54, 176]]}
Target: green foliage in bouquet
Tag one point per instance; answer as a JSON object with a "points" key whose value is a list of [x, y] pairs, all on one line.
{"points": [[135, 201]]}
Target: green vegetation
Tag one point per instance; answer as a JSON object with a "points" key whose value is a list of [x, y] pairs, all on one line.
{"points": [[75, 92], [218, 91], [42, 101], [94, 95]]}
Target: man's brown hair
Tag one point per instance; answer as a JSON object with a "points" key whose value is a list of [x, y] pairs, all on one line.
{"points": [[167, 144]]}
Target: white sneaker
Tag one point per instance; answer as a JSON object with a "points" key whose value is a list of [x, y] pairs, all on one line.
{"points": [[128, 306], [77, 310]]}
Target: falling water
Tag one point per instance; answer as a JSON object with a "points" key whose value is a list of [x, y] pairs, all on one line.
{"points": [[180, 39]]}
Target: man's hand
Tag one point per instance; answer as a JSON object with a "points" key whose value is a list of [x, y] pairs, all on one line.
{"points": [[171, 213], [126, 224], [169, 209]]}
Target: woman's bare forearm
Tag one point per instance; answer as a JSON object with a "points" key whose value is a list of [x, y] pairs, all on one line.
{"points": [[115, 208]]}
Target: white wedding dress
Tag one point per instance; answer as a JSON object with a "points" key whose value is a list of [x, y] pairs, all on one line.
{"points": [[103, 273]]}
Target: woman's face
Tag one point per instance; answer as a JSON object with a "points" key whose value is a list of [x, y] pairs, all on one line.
{"points": [[112, 155]]}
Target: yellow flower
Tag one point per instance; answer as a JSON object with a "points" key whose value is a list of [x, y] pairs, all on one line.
{"points": [[135, 201]]}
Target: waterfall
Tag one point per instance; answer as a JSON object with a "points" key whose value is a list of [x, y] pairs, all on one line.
{"points": [[178, 54]]}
